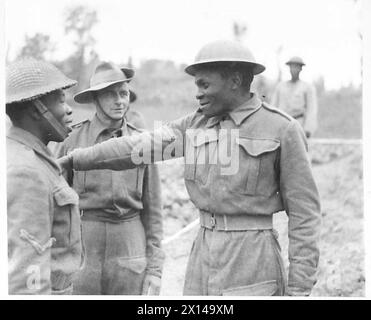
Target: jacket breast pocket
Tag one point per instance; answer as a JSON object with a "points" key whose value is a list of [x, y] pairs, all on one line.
{"points": [[200, 157], [257, 158], [66, 223]]}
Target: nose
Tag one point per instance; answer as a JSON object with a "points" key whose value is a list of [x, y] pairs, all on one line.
{"points": [[68, 109], [199, 94], [121, 100]]}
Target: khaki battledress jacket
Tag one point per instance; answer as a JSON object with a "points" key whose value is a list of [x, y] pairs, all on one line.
{"points": [[44, 230]]}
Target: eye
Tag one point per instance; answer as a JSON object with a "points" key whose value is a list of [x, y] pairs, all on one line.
{"points": [[124, 94]]}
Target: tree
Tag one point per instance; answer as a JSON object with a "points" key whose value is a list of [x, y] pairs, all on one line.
{"points": [[79, 24], [37, 46], [239, 31]]}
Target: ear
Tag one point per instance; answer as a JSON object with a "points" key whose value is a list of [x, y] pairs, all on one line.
{"points": [[33, 113], [236, 80]]}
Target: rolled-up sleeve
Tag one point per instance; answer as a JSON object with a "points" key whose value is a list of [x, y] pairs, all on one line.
{"points": [[29, 232], [302, 204]]}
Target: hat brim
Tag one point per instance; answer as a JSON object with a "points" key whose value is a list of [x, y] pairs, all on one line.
{"points": [[298, 63], [86, 95], [256, 67]]}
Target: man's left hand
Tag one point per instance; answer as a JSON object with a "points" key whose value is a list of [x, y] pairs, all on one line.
{"points": [[151, 285]]}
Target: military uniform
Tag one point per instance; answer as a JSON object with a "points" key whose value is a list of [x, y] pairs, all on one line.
{"points": [[44, 235], [121, 217], [236, 251], [299, 100]]}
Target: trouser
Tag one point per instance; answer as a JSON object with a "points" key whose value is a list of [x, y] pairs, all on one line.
{"points": [[115, 258], [238, 263]]}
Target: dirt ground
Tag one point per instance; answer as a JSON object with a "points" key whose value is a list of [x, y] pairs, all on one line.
{"points": [[338, 173]]}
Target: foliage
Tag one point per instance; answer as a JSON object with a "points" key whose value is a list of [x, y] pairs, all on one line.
{"points": [[37, 46]]}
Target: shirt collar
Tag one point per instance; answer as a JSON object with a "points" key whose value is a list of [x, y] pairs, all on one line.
{"points": [[239, 114], [97, 127], [28, 139]]}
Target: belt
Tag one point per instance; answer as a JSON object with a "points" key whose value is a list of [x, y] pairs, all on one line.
{"points": [[235, 222]]}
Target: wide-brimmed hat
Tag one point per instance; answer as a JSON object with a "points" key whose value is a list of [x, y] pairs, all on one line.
{"points": [[296, 60], [29, 79], [225, 52], [105, 75]]}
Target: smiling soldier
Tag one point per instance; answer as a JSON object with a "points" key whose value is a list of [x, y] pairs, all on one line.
{"points": [[236, 251], [121, 211]]}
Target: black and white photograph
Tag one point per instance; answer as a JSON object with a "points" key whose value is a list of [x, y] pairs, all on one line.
{"points": [[184, 149]]}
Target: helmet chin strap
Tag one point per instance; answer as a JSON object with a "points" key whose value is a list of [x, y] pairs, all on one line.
{"points": [[60, 131]]}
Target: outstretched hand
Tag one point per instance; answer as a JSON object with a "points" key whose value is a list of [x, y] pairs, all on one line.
{"points": [[65, 162]]}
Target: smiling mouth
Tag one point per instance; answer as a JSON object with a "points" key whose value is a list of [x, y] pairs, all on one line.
{"points": [[203, 105]]}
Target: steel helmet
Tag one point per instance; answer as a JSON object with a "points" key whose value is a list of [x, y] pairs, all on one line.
{"points": [[225, 51], [29, 79], [296, 60]]}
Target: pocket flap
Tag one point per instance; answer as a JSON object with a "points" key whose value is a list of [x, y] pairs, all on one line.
{"points": [[202, 139], [137, 265], [256, 147], [65, 195], [266, 288]]}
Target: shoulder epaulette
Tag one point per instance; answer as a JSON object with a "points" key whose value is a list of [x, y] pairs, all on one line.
{"points": [[276, 110], [131, 126], [79, 124]]}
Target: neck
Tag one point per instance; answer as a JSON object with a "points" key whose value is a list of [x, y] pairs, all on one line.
{"points": [[242, 98], [108, 122]]}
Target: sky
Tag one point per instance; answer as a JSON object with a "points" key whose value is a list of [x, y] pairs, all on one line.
{"points": [[323, 32]]}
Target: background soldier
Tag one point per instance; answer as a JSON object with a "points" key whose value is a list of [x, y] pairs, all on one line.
{"points": [[134, 116], [44, 239], [236, 250], [121, 211], [297, 98]]}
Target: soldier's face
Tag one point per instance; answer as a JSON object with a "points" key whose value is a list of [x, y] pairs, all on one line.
{"points": [[62, 112], [295, 70], [214, 93], [113, 101]]}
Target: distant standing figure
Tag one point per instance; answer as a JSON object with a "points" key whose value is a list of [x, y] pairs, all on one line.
{"points": [[297, 98], [133, 116]]}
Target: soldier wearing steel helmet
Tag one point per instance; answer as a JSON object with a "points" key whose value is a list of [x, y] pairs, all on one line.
{"points": [[244, 161], [44, 238], [121, 211], [297, 97]]}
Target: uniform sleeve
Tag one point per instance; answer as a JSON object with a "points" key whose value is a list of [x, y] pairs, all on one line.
{"points": [[127, 152], [302, 205], [152, 220], [29, 232], [310, 122]]}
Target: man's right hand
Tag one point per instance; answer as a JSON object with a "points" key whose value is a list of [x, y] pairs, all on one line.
{"points": [[65, 162]]}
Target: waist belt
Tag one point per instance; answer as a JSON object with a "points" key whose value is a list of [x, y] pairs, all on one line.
{"points": [[235, 222], [102, 215]]}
